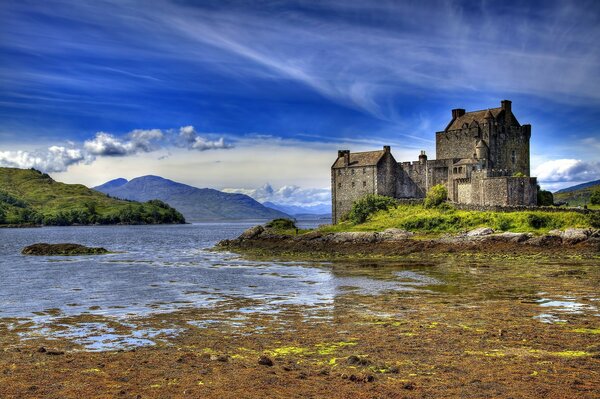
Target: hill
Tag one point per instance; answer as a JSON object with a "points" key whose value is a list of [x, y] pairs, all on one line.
{"points": [[196, 204], [28, 196], [578, 195]]}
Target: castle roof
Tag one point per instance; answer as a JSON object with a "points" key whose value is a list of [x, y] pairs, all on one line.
{"points": [[473, 116], [368, 158]]}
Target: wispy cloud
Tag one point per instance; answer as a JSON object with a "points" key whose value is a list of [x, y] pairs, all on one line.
{"points": [[58, 158], [564, 172]]}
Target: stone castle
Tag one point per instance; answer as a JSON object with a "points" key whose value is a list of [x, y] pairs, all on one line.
{"points": [[482, 157]]}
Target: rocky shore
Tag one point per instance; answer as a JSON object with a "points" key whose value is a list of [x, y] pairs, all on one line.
{"points": [[43, 249], [396, 242]]}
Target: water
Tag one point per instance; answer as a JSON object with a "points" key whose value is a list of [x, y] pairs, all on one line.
{"points": [[161, 269]]}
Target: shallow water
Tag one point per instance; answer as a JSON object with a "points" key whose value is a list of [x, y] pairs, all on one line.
{"points": [[159, 269]]}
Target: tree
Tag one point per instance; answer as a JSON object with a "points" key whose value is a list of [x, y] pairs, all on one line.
{"points": [[595, 197], [435, 196], [544, 197]]}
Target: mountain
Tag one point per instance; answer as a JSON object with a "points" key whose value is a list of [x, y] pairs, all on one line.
{"points": [[28, 196], [109, 185], [578, 195], [196, 204], [296, 210]]}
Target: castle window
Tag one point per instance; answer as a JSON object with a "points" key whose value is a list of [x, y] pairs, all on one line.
{"points": [[339, 185], [339, 172], [352, 171], [353, 184], [364, 170], [364, 184], [513, 157]]}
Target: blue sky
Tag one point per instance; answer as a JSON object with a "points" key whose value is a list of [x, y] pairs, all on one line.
{"points": [[236, 94]]}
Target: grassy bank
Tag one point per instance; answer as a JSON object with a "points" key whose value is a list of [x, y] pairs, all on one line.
{"points": [[446, 219], [29, 197]]}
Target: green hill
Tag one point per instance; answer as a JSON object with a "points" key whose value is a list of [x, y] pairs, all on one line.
{"points": [[28, 196], [577, 195]]}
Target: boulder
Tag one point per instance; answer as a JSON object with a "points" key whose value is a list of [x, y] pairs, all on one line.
{"points": [[513, 237], [252, 232], [545, 241], [43, 249], [354, 237], [393, 234], [573, 236], [480, 232]]}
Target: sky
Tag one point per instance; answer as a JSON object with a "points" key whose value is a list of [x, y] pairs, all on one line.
{"points": [[258, 96]]}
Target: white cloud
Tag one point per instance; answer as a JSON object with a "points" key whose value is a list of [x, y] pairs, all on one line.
{"points": [[287, 195], [189, 138], [138, 140], [52, 159], [567, 170]]}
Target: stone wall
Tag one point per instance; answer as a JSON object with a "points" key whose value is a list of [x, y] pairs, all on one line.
{"points": [[521, 208], [387, 176], [348, 185], [510, 150]]}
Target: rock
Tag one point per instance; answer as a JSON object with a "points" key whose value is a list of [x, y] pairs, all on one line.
{"points": [[573, 236], [41, 349], [480, 232], [55, 353], [514, 237], [394, 234], [43, 249], [252, 232], [265, 361], [555, 232], [220, 358], [353, 237], [545, 241]]}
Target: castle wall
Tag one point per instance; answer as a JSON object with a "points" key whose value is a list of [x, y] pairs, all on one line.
{"points": [[464, 192], [387, 176], [348, 185], [511, 149], [415, 179], [458, 143]]}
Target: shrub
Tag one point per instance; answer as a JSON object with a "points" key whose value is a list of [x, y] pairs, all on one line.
{"points": [[595, 197], [519, 174], [503, 223], [368, 205], [537, 221], [281, 224], [545, 198], [436, 196]]}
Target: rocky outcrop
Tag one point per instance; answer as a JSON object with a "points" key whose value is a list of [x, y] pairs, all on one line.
{"points": [[400, 242], [43, 249]]}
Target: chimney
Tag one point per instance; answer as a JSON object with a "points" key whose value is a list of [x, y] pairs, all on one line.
{"points": [[457, 113], [506, 106], [386, 149], [346, 155], [422, 157]]}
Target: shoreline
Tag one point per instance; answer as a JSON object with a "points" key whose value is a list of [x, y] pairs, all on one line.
{"points": [[396, 243]]}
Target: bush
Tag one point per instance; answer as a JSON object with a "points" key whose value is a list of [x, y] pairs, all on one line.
{"points": [[537, 221], [519, 174], [368, 205], [545, 198], [281, 224], [436, 196], [595, 197]]}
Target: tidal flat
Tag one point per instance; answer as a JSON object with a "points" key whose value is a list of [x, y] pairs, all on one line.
{"points": [[220, 325]]}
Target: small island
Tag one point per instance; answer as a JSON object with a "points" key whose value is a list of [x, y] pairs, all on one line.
{"points": [[43, 249]]}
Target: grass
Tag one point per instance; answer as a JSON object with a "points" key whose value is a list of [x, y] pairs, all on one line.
{"points": [[28, 196], [446, 219]]}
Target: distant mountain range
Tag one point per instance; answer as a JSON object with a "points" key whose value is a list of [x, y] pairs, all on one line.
{"points": [[295, 210], [578, 195], [196, 204]]}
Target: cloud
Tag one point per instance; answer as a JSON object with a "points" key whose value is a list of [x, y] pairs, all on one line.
{"points": [[52, 159], [287, 195], [105, 144], [567, 170], [189, 138]]}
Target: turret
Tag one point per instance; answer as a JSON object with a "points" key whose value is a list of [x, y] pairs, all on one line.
{"points": [[346, 155], [422, 157]]}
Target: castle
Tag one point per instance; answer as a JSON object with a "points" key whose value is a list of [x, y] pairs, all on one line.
{"points": [[482, 157]]}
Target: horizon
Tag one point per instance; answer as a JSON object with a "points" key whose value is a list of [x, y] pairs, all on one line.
{"points": [[258, 100]]}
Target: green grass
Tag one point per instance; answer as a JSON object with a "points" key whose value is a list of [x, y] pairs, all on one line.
{"points": [[30, 197], [579, 197], [418, 219]]}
